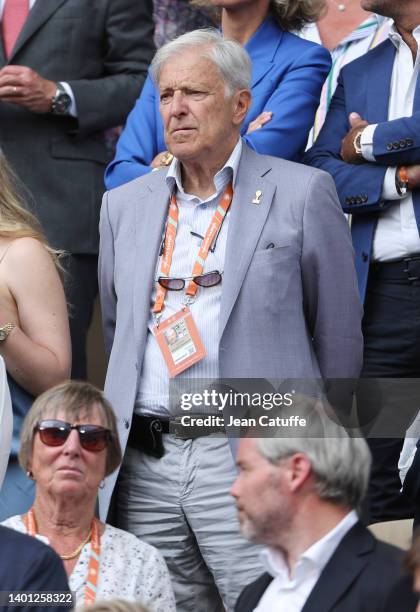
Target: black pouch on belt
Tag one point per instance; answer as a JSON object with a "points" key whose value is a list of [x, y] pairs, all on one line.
{"points": [[146, 435]]}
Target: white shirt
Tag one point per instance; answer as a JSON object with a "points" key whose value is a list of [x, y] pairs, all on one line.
{"points": [[396, 234], [72, 110], [289, 594], [194, 216], [128, 569], [6, 420]]}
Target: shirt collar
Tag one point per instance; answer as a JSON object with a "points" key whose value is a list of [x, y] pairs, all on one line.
{"points": [[317, 555], [221, 178], [365, 29], [396, 37]]}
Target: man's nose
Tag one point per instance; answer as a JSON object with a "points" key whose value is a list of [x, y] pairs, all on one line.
{"points": [[178, 104], [234, 489]]}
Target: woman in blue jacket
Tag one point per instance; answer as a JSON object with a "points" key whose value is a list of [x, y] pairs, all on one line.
{"points": [[287, 76]]}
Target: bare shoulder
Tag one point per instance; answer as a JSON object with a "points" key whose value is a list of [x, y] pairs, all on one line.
{"points": [[27, 251], [28, 264]]}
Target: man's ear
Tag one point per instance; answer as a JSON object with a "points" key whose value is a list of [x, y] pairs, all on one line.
{"points": [[300, 470], [242, 102]]}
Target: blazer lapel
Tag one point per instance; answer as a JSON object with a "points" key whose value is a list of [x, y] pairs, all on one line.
{"points": [[151, 213], [378, 83], [342, 570], [262, 48], [252, 594], [245, 226], [38, 15]]}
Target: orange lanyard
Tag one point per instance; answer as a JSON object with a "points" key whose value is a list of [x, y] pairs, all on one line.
{"points": [[169, 245], [95, 553]]}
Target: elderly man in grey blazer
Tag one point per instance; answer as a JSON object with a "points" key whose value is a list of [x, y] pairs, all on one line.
{"points": [[274, 296]]}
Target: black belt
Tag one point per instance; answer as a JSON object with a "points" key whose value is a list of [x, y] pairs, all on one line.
{"points": [[407, 269], [147, 430]]}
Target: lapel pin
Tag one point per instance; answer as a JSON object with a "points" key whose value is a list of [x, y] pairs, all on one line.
{"points": [[257, 199]]}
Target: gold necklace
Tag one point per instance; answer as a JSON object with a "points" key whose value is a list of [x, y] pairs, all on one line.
{"points": [[78, 549]]}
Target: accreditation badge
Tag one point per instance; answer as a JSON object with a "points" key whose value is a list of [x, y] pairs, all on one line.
{"points": [[179, 340]]}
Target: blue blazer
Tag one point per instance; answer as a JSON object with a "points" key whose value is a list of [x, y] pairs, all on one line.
{"points": [[364, 87], [287, 76], [26, 564]]}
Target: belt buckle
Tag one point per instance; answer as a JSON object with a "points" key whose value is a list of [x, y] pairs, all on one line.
{"points": [[407, 261], [177, 429]]}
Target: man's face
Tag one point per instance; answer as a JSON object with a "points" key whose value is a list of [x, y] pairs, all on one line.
{"points": [[262, 496], [197, 116]]}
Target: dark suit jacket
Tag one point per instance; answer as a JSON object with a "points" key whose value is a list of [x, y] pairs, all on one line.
{"points": [[26, 564], [364, 87], [359, 577], [102, 48]]}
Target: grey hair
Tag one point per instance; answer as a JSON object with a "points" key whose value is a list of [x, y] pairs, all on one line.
{"points": [[340, 464], [76, 399], [230, 57]]}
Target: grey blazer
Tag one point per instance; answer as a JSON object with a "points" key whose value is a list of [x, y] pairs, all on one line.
{"points": [[291, 311], [102, 48]]}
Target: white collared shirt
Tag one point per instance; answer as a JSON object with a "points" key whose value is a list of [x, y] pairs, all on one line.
{"points": [[289, 594], [194, 216], [396, 234], [72, 110]]}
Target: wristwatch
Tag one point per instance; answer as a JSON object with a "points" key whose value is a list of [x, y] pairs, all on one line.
{"points": [[401, 180], [5, 330], [61, 102], [357, 144]]}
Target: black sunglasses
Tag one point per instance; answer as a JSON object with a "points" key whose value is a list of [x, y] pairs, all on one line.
{"points": [[210, 279], [92, 437]]}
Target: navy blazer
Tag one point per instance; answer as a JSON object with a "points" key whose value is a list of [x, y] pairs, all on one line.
{"points": [[26, 564], [287, 77], [364, 87], [361, 576]]}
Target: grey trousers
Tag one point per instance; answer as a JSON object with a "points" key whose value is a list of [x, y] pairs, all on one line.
{"points": [[181, 504]]}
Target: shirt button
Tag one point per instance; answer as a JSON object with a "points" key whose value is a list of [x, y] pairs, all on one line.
{"points": [[365, 256], [126, 423]]}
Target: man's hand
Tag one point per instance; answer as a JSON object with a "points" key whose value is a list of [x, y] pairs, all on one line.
{"points": [[161, 159], [348, 152], [413, 173], [261, 120], [23, 86]]}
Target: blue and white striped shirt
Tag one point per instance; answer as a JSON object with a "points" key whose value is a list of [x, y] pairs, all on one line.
{"points": [[194, 216]]}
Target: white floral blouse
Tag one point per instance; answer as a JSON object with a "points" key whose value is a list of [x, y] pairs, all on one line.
{"points": [[129, 569]]}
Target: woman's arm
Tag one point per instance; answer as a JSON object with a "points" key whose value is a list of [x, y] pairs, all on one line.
{"points": [[37, 351], [293, 102]]}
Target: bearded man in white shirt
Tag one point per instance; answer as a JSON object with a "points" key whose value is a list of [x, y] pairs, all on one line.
{"points": [[299, 496]]}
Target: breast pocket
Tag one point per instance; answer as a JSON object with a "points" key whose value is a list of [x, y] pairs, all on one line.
{"points": [[274, 275]]}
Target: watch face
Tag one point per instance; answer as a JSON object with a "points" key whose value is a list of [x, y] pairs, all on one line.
{"points": [[61, 104]]}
